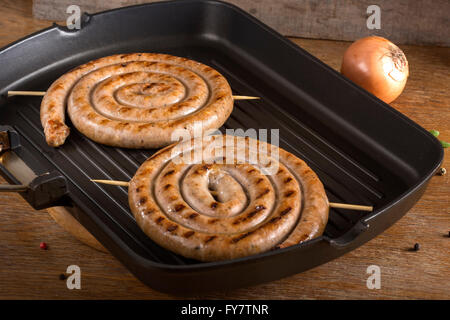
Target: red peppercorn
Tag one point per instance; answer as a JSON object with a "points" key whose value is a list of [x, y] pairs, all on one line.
{"points": [[43, 246]]}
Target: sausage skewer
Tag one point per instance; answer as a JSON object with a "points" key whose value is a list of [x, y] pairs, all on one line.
{"points": [[332, 204], [222, 197], [135, 100]]}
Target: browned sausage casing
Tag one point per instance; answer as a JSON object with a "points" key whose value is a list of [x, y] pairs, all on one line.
{"points": [[136, 100], [217, 209]]}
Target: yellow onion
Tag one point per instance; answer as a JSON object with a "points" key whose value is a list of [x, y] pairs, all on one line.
{"points": [[377, 65]]}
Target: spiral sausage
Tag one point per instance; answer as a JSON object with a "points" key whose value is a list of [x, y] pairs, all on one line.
{"points": [[217, 209], [136, 100]]}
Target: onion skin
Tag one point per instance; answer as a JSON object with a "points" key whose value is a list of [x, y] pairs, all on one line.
{"points": [[377, 65]]}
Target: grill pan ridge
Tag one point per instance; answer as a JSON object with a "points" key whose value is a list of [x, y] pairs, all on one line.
{"points": [[361, 148]]}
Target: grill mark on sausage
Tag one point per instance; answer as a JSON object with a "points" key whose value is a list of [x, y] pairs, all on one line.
{"points": [[193, 215], [143, 200], [285, 211], [167, 186], [168, 173], [289, 193], [287, 180], [214, 205], [143, 126], [259, 180], [145, 172], [159, 220], [212, 221], [179, 207], [149, 85], [252, 213], [237, 221], [122, 125], [209, 239], [172, 228], [149, 211], [274, 219], [266, 191]]}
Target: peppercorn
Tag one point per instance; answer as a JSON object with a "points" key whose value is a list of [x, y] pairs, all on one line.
{"points": [[43, 246], [416, 247]]}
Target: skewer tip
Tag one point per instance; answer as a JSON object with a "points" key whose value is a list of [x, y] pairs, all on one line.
{"points": [[351, 206], [26, 93], [245, 98], [112, 182]]}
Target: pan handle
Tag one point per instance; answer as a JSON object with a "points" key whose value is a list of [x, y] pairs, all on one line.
{"points": [[46, 190]]}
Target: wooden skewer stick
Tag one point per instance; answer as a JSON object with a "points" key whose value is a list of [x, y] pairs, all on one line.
{"points": [[350, 206], [332, 204], [42, 93], [112, 182], [26, 93]]}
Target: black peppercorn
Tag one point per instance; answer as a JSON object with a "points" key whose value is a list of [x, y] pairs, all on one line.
{"points": [[416, 247]]}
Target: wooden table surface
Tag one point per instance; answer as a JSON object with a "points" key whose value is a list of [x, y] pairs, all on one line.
{"points": [[29, 272]]}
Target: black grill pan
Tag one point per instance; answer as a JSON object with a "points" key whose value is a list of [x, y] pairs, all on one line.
{"points": [[363, 150]]}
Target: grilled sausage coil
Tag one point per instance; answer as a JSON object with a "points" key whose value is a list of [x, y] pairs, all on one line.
{"points": [[136, 100], [217, 209]]}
